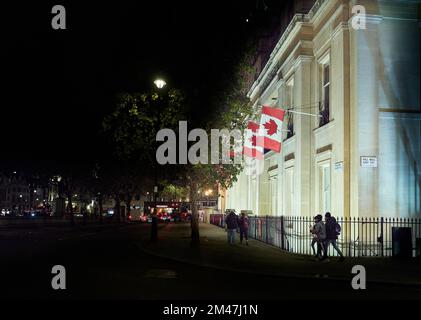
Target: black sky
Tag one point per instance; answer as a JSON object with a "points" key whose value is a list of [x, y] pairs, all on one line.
{"points": [[58, 84]]}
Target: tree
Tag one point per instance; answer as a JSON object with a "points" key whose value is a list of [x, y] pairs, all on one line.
{"points": [[74, 182], [174, 190], [69, 187], [232, 111], [132, 129], [138, 117]]}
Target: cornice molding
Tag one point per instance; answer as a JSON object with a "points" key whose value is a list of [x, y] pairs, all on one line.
{"points": [[272, 66], [343, 26], [302, 59]]}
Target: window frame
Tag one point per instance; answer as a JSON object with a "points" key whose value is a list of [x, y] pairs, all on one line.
{"points": [[324, 104]]}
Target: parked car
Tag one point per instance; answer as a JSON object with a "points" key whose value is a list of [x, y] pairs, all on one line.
{"points": [[163, 217], [175, 216]]}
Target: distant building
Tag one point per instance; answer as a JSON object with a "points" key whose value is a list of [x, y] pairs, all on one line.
{"points": [[360, 155], [17, 194], [14, 192]]}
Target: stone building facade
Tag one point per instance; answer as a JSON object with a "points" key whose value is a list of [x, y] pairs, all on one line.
{"points": [[359, 152]]}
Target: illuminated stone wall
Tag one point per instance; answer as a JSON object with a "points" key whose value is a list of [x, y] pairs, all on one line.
{"points": [[374, 102]]}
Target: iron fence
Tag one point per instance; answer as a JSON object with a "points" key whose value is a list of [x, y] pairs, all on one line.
{"points": [[359, 237]]}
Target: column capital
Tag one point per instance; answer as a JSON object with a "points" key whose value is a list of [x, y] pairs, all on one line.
{"points": [[301, 59]]}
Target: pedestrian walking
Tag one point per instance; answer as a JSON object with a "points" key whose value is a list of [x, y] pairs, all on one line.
{"points": [[320, 234], [244, 228], [315, 241], [333, 229], [231, 222]]}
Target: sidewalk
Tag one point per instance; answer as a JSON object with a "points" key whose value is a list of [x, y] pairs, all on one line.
{"points": [[260, 258]]}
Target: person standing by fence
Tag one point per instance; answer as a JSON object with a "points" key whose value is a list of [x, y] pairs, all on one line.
{"points": [[231, 221], [244, 228], [333, 229]]}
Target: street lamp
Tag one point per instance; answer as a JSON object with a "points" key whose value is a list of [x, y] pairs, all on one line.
{"points": [[159, 83], [154, 226]]}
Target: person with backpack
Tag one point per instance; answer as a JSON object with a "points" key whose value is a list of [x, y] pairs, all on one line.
{"points": [[333, 229], [244, 227], [231, 222]]}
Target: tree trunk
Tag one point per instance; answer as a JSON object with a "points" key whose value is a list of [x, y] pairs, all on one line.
{"points": [[84, 213], [100, 209], [31, 198], [70, 207], [117, 208], [195, 238], [128, 201]]}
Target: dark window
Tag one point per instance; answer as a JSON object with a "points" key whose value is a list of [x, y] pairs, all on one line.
{"points": [[290, 125], [324, 104], [2, 194]]}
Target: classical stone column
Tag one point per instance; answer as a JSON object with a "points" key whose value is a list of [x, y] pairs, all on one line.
{"points": [[340, 108], [366, 122], [280, 156], [302, 127]]}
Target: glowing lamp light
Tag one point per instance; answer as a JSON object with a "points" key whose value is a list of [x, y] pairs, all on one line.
{"points": [[159, 83]]}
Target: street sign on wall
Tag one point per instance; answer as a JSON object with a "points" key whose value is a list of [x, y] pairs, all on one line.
{"points": [[339, 166], [369, 162]]}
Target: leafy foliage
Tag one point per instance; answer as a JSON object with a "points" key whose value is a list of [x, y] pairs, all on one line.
{"points": [[133, 125]]}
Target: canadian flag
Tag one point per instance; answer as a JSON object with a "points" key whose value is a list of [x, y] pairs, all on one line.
{"points": [[252, 139], [271, 124]]}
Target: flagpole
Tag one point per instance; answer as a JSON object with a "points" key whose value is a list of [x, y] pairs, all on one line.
{"points": [[298, 112], [305, 113]]}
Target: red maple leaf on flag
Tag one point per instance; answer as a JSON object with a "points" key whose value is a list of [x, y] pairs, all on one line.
{"points": [[253, 140], [271, 127]]}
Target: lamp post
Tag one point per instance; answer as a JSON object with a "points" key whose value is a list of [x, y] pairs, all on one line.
{"points": [[159, 83]]}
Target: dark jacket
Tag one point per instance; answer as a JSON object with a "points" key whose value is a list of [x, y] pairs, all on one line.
{"points": [[331, 229], [244, 223], [232, 221]]}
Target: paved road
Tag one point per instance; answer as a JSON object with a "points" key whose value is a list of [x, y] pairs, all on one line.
{"points": [[106, 263]]}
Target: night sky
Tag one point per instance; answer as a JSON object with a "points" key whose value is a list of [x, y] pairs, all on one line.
{"points": [[58, 84]]}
